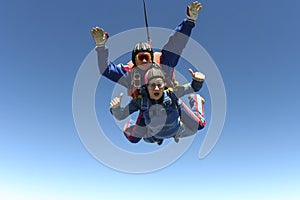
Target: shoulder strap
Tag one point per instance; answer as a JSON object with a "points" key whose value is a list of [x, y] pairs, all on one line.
{"points": [[167, 98], [144, 99], [174, 98]]}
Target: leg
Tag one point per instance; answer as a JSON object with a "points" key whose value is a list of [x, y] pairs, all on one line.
{"points": [[193, 118], [134, 132]]}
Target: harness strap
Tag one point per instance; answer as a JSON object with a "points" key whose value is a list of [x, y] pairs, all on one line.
{"points": [[169, 99]]}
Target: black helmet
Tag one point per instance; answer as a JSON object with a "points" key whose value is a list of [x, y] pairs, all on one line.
{"points": [[141, 47]]}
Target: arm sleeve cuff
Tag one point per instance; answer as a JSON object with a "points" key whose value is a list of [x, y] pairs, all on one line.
{"points": [[196, 85]]}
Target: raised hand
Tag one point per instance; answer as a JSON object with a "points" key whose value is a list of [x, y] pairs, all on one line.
{"points": [[100, 37], [193, 10], [116, 102], [197, 76]]}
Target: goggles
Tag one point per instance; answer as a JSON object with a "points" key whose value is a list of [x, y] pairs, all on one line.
{"points": [[143, 56], [160, 85]]}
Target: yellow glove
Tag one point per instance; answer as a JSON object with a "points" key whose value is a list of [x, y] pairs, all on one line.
{"points": [[193, 10], [116, 102], [99, 36], [197, 76]]}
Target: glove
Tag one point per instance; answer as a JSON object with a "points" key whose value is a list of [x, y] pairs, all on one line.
{"points": [[116, 102], [99, 36], [193, 10], [197, 76]]}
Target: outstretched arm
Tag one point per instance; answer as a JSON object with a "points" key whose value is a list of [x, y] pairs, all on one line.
{"points": [[194, 86], [115, 73], [173, 48]]}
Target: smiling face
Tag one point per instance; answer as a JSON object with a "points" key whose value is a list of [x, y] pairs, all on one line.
{"points": [[156, 88]]}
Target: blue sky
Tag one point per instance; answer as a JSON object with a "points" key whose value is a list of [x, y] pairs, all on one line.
{"points": [[256, 48]]}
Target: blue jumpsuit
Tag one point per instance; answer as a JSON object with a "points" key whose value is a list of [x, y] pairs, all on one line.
{"points": [[161, 119]]}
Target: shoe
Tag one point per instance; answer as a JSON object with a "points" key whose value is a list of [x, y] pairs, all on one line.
{"points": [[176, 138], [159, 141]]}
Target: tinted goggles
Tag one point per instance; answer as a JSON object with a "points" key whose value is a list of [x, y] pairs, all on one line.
{"points": [[143, 56]]}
